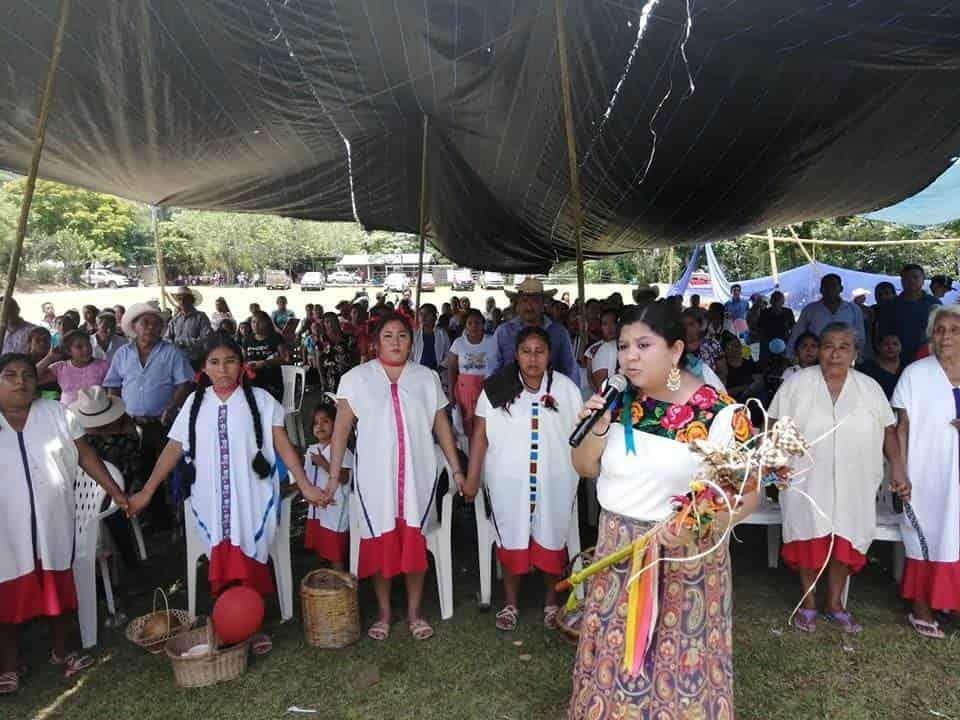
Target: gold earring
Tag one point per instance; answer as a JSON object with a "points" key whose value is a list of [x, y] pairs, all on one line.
{"points": [[673, 379]]}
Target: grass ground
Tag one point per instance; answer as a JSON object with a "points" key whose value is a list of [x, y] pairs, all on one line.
{"points": [[469, 670]]}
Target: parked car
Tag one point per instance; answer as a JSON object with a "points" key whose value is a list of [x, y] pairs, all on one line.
{"points": [[427, 283], [276, 280], [491, 280], [396, 282], [312, 281], [342, 277], [104, 277], [462, 280]]}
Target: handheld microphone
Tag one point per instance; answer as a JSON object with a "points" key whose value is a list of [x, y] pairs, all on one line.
{"points": [[615, 386]]}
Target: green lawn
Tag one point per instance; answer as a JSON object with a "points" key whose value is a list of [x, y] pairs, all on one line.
{"points": [[469, 670]]}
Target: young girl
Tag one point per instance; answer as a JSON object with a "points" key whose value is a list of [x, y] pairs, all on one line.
{"points": [[327, 530], [79, 371], [231, 435], [470, 361]]}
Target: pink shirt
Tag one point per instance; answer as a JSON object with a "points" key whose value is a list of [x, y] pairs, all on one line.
{"points": [[73, 379]]}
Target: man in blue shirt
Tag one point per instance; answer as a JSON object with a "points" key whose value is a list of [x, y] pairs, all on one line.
{"points": [[906, 315], [529, 297], [736, 307]]}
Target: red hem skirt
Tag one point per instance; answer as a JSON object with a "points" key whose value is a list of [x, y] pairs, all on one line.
{"points": [[533, 557], [935, 583], [326, 543], [812, 554], [402, 551], [229, 566], [41, 593], [467, 392]]}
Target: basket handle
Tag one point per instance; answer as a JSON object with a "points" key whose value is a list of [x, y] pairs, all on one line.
{"points": [[166, 602]]}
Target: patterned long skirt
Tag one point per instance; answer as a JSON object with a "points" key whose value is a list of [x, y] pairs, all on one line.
{"points": [[688, 670]]}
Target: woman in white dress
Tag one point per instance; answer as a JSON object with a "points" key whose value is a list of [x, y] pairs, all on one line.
{"points": [[398, 405], [684, 668], [519, 446], [42, 449], [231, 436], [470, 361], [927, 399], [850, 412], [327, 530]]}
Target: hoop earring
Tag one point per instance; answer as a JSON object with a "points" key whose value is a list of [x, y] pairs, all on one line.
{"points": [[673, 379]]}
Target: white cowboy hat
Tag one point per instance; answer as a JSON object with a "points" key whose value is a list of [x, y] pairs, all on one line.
{"points": [[95, 407], [530, 286], [136, 311], [184, 290]]}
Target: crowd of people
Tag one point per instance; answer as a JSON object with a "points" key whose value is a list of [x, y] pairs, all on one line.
{"points": [[879, 383]]}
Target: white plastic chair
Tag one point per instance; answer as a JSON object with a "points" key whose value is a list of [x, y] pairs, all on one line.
{"points": [[294, 383], [487, 541], [89, 499], [279, 553], [438, 540]]}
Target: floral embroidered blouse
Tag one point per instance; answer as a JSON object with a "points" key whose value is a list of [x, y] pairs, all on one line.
{"points": [[682, 422]]}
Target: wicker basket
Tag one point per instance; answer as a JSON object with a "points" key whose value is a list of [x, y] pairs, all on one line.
{"points": [[215, 666], [154, 646], [331, 614], [569, 621]]}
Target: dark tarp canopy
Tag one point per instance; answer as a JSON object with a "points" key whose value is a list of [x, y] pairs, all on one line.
{"points": [[769, 112]]}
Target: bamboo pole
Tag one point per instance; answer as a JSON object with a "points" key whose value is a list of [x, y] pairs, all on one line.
{"points": [[857, 243], [41, 136], [773, 258], [572, 161], [158, 250], [423, 210]]}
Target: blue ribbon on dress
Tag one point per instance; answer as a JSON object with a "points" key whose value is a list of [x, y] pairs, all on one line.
{"points": [[626, 419], [694, 364]]}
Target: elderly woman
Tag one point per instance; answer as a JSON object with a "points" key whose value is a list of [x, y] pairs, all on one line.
{"points": [[685, 668], [927, 399], [519, 443], [42, 449], [850, 412]]}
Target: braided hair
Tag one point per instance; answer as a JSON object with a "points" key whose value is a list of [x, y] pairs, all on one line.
{"points": [[260, 465]]}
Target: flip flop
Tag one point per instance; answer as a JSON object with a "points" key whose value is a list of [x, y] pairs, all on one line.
{"points": [[261, 644], [421, 630], [845, 621], [551, 617], [9, 683], [805, 620], [927, 629], [379, 631], [507, 618]]}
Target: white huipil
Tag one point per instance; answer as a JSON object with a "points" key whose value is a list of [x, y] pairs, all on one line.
{"points": [[229, 501], [394, 480], [39, 472], [514, 448], [334, 517], [926, 394], [847, 465]]}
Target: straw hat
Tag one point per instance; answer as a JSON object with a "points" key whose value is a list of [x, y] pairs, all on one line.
{"points": [[95, 407], [181, 291], [530, 286], [137, 311]]}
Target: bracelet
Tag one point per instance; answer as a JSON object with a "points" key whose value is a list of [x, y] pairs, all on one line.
{"points": [[603, 434]]}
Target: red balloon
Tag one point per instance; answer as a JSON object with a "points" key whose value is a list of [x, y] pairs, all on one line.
{"points": [[237, 614]]}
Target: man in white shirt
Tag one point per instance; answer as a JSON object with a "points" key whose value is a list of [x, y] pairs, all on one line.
{"points": [[830, 308]]}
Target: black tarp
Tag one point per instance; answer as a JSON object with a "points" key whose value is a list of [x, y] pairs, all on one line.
{"points": [[800, 109]]}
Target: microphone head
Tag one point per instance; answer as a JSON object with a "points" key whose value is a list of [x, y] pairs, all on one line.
{"points": [[618, 382]]}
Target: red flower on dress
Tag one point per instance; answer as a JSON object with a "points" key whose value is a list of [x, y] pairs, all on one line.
{"points": [[676, 417], [549, 401], [704, 398]]}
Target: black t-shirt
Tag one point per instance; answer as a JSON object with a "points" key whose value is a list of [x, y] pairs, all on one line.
{"points": [[743, 375], [268, 378]]}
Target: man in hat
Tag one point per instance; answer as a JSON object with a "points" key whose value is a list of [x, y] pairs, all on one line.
{"points": [[189, 328], [153, 377], [529, 298]]}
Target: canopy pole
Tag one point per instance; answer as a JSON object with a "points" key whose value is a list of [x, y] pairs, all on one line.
{"points": [[796, 237], [41, 136], [773, 258], [158, 249], [572, 160], [423, 210]]}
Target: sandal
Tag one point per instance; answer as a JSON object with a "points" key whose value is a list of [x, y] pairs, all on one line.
{"points": [[805, 620], [507, 618], [379, 631], [845, 621], [73, 663], [421, 630], [261, 644], [551, 617], [927, 629], [9, 683]]}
